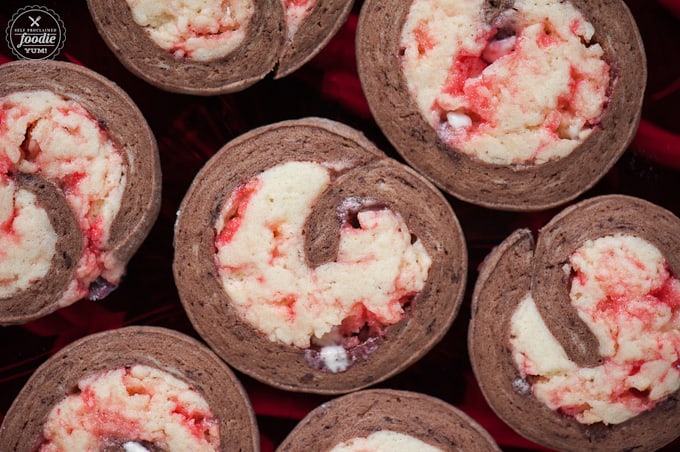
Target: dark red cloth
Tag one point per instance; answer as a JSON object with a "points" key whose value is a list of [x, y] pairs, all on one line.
{"points": [[191, 129]]}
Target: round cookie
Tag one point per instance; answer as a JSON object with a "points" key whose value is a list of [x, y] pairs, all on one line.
{"points": [[522, 265], [117, 116], [267, 47], [516, 187], [165, 350], [361, 179], [363, 413]]}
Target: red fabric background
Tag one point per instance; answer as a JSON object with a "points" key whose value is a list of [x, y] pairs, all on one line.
{"points": [[191, 129]]}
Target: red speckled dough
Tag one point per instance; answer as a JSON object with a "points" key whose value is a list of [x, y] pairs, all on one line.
{"points": [[520, 265], [519, 188], [367, 174]]}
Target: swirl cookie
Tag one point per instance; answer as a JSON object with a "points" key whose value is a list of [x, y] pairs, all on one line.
{"points": [[209, 47], [132, 389], [382, 420], [575, 338], [513, 105], [312, 262], [79, 186]]}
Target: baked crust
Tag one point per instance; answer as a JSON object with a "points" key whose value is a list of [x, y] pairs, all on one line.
{"points": [[520, 265], [516, 187], [126, 126], [364, 412], [264, 47], [368, 175], [167, 350]]}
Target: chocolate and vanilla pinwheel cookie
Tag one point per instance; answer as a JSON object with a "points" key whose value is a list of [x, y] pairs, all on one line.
{"points": [[133, 389], [575, 337], [79, 186], [384, 419], [309, 260], [512, 104], [209, 47]]}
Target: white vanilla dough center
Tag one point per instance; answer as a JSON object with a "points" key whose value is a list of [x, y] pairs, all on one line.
{"points": [[261, 260], [526, 89], [200, 30], [296, 12], [385, 441], [44, 134], [623, 290], [27, 240], [129, 406]]}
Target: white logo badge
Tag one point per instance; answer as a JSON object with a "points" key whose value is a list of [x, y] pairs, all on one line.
{"points": [[35, 33]]}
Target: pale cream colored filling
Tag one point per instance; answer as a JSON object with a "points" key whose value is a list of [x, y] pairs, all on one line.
{"points": [[623, 291], [129, 405], [262, 267], [200, 30], [27, 240], [42, 133], [529, 97], [385, 441]]}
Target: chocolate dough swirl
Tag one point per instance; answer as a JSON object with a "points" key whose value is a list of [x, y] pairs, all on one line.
{"points": [[264, 50], [116, 113], [168, 351], [360, 173], [522, 264]]}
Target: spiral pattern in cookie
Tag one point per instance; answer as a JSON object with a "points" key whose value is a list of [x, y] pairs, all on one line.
{"points": [[295, 249], [169, 375], [584, 297], [436, 151], [79, 150]]}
